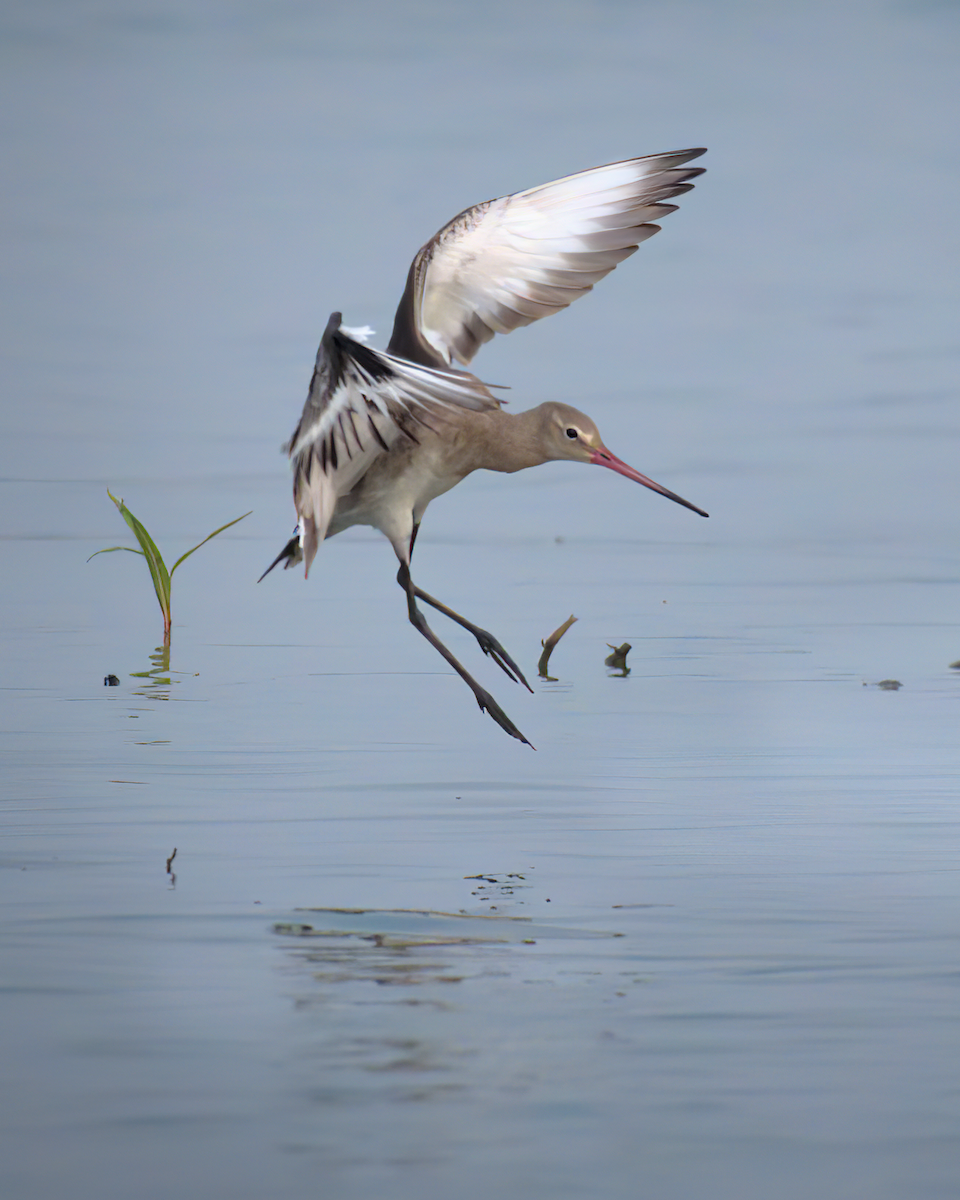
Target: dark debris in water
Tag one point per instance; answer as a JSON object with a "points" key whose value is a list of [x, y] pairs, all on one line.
{"points": [[887, 685], [498, 886], [618, 659]]}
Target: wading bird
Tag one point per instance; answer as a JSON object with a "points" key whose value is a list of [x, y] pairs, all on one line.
{"points": [[383, 434]]}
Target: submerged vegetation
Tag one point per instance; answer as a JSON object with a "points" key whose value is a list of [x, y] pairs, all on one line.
{"points": [[159, 572]]}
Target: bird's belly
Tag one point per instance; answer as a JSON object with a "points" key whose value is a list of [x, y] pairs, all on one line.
{"points": [[392, 496]]}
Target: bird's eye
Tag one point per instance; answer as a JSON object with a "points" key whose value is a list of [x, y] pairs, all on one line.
{"points": [[572, 434]]}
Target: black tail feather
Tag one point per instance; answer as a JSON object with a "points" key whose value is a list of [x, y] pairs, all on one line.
{"points": [[291, 552]]}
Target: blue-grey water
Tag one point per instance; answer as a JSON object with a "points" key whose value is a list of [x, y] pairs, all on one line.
{"points": [[714, 945]]}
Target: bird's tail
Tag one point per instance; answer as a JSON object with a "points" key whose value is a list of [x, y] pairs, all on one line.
{"points": [[292, 553]]}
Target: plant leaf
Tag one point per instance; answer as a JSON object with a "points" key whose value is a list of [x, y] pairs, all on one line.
{"points": [[110, 550], [207, 539], [158, 568]]}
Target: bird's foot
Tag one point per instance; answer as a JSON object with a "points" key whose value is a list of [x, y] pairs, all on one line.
{"points": [[489, 705], [491, 647]]}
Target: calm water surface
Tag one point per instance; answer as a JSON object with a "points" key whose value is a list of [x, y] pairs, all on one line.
{"points": [[704, 940]]}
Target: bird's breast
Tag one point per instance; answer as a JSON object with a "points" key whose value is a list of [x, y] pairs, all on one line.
{"points": [[396, 489]]}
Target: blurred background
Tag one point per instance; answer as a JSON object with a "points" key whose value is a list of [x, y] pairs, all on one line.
{"points": [[190, 190]]}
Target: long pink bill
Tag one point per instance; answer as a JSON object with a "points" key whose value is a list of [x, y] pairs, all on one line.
{"points": [[603, 458]]}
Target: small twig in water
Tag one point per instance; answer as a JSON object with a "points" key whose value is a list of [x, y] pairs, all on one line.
{"points": [[548, 645]]}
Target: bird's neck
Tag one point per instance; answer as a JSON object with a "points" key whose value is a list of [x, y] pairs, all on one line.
{"points": [[508, 442]]}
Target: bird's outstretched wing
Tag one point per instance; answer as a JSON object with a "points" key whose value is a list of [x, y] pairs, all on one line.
{"points": [[508, 262], [360, 402]]}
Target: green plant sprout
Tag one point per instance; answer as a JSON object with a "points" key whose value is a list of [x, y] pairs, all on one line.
{"points": [[158, 568]]}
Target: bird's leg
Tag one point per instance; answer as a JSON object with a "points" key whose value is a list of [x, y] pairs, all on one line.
{"points": [[483, 697], [487, 642]]}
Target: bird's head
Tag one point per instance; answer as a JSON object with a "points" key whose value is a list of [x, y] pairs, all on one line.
{"points": [[568, 433]]}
